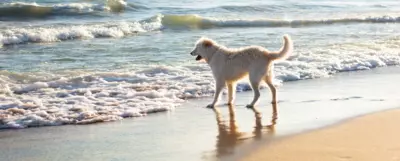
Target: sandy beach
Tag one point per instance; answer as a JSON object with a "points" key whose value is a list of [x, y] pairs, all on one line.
{"points": [[369, 138]]}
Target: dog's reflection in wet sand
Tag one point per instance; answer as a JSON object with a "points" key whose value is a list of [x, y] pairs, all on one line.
{"points": [[229, 134], [258, 129]]}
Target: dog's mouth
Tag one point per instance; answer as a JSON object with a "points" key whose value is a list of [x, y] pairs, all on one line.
{"points": [[198, 58]]}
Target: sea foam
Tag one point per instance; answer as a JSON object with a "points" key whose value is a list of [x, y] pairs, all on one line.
{"points": [[91, 97]]}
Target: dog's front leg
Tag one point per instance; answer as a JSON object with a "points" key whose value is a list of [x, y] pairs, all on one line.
{"points": [[219, 85], [231, 92]]}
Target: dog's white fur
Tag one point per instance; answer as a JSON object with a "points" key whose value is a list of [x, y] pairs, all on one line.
{"points": [[230, 65]]}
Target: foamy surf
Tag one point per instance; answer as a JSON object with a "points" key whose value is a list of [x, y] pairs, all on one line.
{"points": [[94, 97], [62, 33], [79, 97]]}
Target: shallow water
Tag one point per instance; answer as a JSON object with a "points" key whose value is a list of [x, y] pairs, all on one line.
{"points": [[79, 62]]}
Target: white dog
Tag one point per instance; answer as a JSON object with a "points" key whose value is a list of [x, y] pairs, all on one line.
{"points": [[230, 65]]}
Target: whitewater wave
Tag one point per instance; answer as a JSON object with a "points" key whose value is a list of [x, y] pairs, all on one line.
{"points": [[44, 34], [96, 97], [9, 11], [61, 33]]}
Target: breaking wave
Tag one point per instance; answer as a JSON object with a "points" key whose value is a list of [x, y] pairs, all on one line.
{"points": [[9, 11], [124, 28], [62, 33], [195, 21]]}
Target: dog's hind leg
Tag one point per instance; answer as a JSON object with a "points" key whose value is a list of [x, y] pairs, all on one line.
{"points": [[219, 85], [268, 80], [255, 83], [231, 92]]}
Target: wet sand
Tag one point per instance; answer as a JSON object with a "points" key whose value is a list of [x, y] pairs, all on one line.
{"points": [[369, 138], [192, 132]]}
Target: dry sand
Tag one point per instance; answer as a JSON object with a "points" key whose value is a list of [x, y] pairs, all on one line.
{"points": [[374, 137]]}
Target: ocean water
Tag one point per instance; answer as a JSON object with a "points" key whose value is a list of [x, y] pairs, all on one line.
{"points": [[86, 61]]}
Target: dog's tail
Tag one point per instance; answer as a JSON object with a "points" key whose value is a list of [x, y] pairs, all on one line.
{"points": [[285, 50]]}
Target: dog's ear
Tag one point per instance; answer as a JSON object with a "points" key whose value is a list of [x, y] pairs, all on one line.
{"points": [[208, 43]]}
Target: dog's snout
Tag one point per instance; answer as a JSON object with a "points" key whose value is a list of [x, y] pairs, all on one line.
{"points": [[192, 53]]}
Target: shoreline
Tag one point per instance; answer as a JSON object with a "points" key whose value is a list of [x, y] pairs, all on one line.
{"points": [[366, 137]]}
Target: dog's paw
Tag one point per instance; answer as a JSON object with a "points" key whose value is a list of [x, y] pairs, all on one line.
{"points": [[210, 106], [249, 106], [229, 104]]}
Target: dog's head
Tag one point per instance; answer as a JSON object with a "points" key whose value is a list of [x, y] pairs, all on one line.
{"points": [[204, 49]]}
